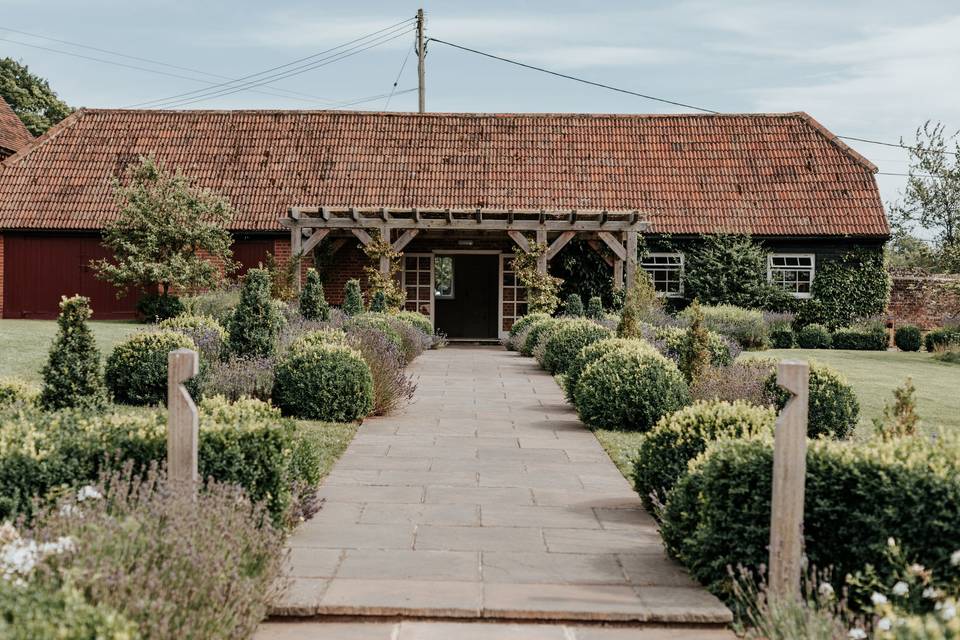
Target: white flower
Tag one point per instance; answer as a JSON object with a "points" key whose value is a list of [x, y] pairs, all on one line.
{"points": [[825, 589], [891, 542], [901, 588], [878, 598], [8, 533], [949, 612], [857, 634], [931, 593], [955, 558], [67, 510], [884, 624], [916, 569], [88, 492]]}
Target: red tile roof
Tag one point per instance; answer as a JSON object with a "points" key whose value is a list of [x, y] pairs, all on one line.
{"points": [[13, 135], [766, 174]]}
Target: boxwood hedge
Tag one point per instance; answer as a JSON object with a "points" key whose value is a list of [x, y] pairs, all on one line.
{"points": [[136, 371], [833, 406], [595, 351], [563, 344], [535, 332], [324, 382]]}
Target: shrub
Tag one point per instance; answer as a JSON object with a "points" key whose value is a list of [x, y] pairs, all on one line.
{"points": [[742, 380], [378, 304], [319, 337], [16, 391], [324, 382], [746, 326], [380, 322], [256, 323], [413, 341], [595, 308], [573, 306], [729, 270], [313, 304], [208, 334], [352, 298], [593, 352], [71, 376], [178, 565], [539, 352], [535, 332], [814, 336], [855, 285], [856, 497], [860, 339], [630, 390], [137, 368], [722, 350], [391, 385], [563, 344], [899, 419], [218, 304], [682, 436], [943, 338], [907, 338], [640, 301], [833, 409], [519, 330], [34, 610], [695, 350], [154, 307], [782, 338], [950, 356], [235, 378], [416, 319]]}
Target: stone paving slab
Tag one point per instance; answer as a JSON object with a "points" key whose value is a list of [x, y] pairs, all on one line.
{"points": [[484, 498]]}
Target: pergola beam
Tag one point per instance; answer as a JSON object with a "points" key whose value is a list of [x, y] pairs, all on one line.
{"points": [[520, 239], [614, 244], [596, 246], [362, 236], [313, 240], [559, 243], [405, 239]]}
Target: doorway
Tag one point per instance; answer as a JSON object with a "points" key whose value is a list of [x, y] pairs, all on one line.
{"points": [[466, 295]]}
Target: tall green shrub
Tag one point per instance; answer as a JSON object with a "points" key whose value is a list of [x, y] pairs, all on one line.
{"points": [[352, 298], [907, 338], [640, 299], [71, 376], [313, 304], [729, 269], [256, 322], [136, 371], [695, 354], [573, 306], [378, 304], [595, 308]]}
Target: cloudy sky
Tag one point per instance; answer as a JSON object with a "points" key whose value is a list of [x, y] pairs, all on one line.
{"points": [[865, 68]]}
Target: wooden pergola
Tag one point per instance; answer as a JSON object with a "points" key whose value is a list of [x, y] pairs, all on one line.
{"points": [[616, 230]]}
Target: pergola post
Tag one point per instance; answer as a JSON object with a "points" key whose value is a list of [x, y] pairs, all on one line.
{"points": [[542, 258], [296, 243], [384, 260], [631, 260]]}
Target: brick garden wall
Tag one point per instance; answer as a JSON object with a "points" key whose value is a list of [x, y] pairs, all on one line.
{"points": [[924, 300]]}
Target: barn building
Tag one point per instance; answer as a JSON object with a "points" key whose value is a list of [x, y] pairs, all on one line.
{"points": [[455, 192]]}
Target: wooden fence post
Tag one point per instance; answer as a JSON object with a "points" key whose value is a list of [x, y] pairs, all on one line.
{"points": [[182, 418], [789, 478]]}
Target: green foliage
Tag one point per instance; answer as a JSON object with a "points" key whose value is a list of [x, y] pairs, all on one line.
{"points": [[565, 342], [629, 390], [156, 307], [855, 285], [255, 324], [352, 298], [35, 610], [861, 338], [542, 288], [746, 326], [313, 304], [217, 303], [682, 436], [208, 334], [283, 276], [387, 285], [782, 338], [593, 352], [583, 271], [675, 341], [136, 371], [378, 304], [72, 376], [729, 269], [417, 320], [814, 336], [641, 300], [695, 353], [856, 497], [573, 306], [535, 332], [525, 321], [943, 338], [324, 382], [899, 419], [833, 408], [169, 233], [319, 337], [16, 391], [380, 322], [30, 97], [595, 308], [907, 338]]}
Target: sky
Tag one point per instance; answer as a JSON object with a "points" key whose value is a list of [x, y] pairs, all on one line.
{"points": [[872, 69]]}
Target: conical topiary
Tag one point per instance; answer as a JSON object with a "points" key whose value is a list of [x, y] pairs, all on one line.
{"points": [[313, 304], [72, 376], [595, 308], [255, 324], [573, 306], [352, 298], [379, 302]]}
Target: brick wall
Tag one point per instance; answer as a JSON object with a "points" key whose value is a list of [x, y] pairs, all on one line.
{"points": [[924, 300], [347, 263]]}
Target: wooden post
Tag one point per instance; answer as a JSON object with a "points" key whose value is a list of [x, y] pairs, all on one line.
{"points": [[384, 260], [296, 248], [631, 259], [789, 478], [182, 422], [421, 65], [617, 274], [542, 260]]}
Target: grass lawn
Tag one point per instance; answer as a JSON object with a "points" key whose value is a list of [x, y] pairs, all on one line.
{"points": [[331, 437], [24, 344]]}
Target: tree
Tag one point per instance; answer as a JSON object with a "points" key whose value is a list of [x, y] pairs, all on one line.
{"points": [[72, 377], [256, 323], [352, 298], [313, 304], [387, 284], [169, 234], [695, 352], [899, 419], [30, 97], [573, 306], [730, 269]]}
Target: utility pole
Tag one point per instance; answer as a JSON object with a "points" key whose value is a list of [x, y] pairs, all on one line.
{"points": [[421, 69]]}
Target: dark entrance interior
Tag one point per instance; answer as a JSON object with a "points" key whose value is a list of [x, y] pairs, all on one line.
{"points": [[472, 310]]}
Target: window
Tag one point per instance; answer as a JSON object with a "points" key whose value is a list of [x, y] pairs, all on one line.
{"points": [[514, 296], [443, 277], [792, 272], [417, 271], [666, 273]]}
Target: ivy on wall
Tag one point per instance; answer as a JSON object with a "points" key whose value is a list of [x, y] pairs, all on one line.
{"points": [[583, 272], [856, 285]]}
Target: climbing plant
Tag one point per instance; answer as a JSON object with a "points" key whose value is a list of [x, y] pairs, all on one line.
{"points": [[388, 284], [543, 290]]}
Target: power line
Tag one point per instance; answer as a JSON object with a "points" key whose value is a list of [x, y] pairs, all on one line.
{"points": [[397, 81], [893, 144], [232, 83], [337, 57]]}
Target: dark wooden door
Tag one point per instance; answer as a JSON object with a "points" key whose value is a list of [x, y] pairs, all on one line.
{"points": [[472, 311]]}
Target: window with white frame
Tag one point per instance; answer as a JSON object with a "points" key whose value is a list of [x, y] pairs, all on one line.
{"points": [[666, 273], [792, 272]]}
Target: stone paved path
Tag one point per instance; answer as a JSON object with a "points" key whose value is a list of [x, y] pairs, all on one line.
{"points": [[485, 498]]}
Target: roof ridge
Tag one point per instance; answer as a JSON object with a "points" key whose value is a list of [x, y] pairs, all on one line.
{"points": [[46, 136], [836, 141], [464, 114]]}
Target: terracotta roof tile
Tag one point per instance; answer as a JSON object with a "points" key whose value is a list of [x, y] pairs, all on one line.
{"points": [[13, 135], [766, 174]]}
